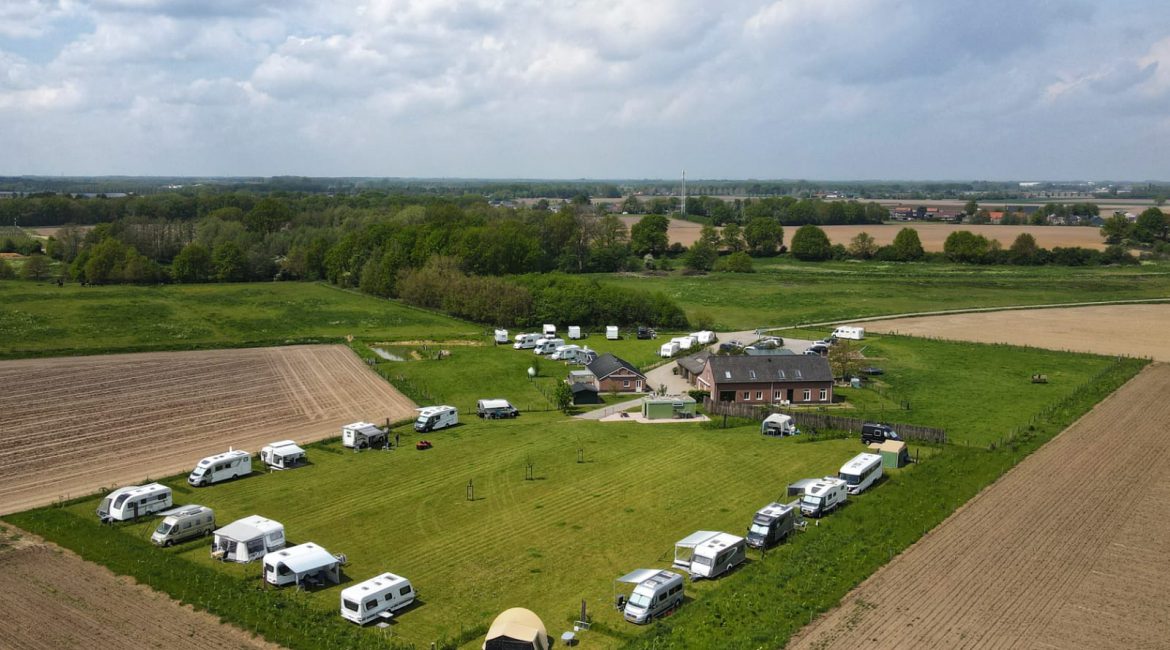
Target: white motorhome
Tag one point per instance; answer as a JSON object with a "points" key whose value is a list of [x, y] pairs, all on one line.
{"points": [[667, 350], [221, 467], [656, 593], [709, 554], [368, 600], [247, 539], [525, 341], [360, 435], [501, 336], [494, 409], [431, 418], [134, 501], [566, 352], [184, 523], [823, 496], [778, 424], [847, 332], [547, 346], [575, 332], [611, 332], [303, 563], [862, 471], [705, 337], [284, 454], [549, 330]]}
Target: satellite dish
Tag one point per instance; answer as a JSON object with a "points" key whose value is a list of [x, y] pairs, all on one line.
{"points": [[531, 372]]}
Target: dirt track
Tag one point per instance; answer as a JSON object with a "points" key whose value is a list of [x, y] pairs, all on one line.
{"points": [[73, 425], [53, 599], [1062, 552], [1112, 329]]}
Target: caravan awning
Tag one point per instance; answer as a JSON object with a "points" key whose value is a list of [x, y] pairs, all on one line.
{"points": [[696, 538], [288, 450], [799, 486], [306, 558], [637, 576]]}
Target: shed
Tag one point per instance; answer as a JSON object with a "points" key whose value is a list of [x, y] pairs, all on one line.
{"points": [[893, 452], [296, 564], [585, 394], [581, 377], [667, 407], [516, 629]]}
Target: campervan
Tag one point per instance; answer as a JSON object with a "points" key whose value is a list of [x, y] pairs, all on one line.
{"points": [[778, 424], [575, 332], [501, 336], [611, 332], [247, 539], [294, 564], [547, 346], [221, 467], [549, 330], [134, 501], [705, 337], [525, 341], [709, 553], [667, 350], [493, 409], [862, 471], [360, 435], [367, 600], [847, 332], [565, 352], [872, 432], [823, 496], [184, 523], [771, 524], [431, 418], [282, 455], [657, 593]]}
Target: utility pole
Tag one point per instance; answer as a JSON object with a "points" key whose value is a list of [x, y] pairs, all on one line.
{"points": [[684, 193]]}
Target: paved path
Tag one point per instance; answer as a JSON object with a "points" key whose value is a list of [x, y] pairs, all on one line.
{"points": [[597, 414]]}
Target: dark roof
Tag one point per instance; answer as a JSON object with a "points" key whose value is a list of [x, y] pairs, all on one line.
{"points": [[607, 364], [796, 368], [582, 388], [695, 363]]}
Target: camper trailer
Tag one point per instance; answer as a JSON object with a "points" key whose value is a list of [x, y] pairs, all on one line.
{"points": [[525, 341], [684, 342], [862, 471], [183, 524], [823, 496], [778, 424], [361, 435], [247, 539], [134, 501], [494, 409], [847, 332], [294, 565], [549, 330], [705, 337], [772, 524], [221, 467], [284, 454], [367, 600], [656, 593], [565, 352], [709, 554], [667, 350], [575, 332], [432, 418], [611, 332], [501, 336], [547, 346]]}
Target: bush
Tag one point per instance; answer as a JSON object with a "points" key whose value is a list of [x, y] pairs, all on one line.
{"points": [[735, 263], [811, 244]]}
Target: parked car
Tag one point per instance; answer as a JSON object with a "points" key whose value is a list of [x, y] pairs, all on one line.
{"points": [[646, 333], [873, 371], [817, 348]]}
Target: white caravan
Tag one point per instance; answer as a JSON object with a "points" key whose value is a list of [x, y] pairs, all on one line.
{"points": [[547, 346], [705, 337], [823, 496], [656, 593], [431, 418], [566, 352], [684, 342], [502, 336], [667, 350], [301, 563], [709, 554], [549, 330], [221, 467], [360, 435], [247, 539], [525, 341], [376, 598], [862, 471], [134, 501], [284, 454], [611, 332], [184, 523], [778, 424], [575, 332], [847, 332]]}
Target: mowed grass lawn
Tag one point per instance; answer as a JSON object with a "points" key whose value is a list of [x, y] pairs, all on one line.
{"points": [[544, 544], [43, 319]]}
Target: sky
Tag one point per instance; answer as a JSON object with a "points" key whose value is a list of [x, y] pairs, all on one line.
{"points": [[813, 89]]}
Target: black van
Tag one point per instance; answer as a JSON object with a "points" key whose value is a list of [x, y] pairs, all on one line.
{"points": [[872, 432]]}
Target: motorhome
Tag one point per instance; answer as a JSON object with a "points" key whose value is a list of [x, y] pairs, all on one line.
{"points": [[565, 352], [221, 467], [862, 471], [247, 539], [847, 332], [873, 432], [284, 454], [361, 435], [501, 336], [611, 332], [134, 501], [709, 554], [547, 346], [823, 496], [184, 523], [575, 332], [525, 341], [778, 424], [367, 600], [667, 350], [771, 524], [303, 563], [549, 330], [432, 418], [705, 337], [494, 409], [656, 593]]}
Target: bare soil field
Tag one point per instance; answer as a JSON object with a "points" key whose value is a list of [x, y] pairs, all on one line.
{"points": [[45, 606], [934, 235], [1136, 330], [1062, 552], [73, 425]]}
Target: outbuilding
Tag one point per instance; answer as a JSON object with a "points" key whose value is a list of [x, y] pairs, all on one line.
{"points": [[517, 629], [893, 452], [585, 394], [666, 407]]}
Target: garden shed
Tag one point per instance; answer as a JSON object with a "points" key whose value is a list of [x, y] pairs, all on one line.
{"points": [[585, 394], [893, 453], [657, 407]]}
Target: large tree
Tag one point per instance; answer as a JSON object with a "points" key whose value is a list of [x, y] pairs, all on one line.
{"points": [[811, 244], [192, 264], [733, 238], [966, 247], [764, 236], [907, 247], [1116, 229], [863, 246], [649, 235], [36, 267], [1151, 225]]}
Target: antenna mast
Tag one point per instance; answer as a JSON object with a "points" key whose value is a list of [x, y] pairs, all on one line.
{"points": [[684, 192]]}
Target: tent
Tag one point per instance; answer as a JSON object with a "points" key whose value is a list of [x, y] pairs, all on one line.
{"points": [[247, 539], [516, 629], [295, 564], [893, 453], [685, 547], [778, 424]]}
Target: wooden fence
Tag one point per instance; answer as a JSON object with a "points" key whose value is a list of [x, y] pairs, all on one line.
{"points": [[811, 420]]}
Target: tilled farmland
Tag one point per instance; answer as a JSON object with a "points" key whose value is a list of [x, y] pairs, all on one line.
{"points": [[73, 425], [1067, 550]]}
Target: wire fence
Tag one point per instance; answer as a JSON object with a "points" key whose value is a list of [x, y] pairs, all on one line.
{"points": [[820, 420]]}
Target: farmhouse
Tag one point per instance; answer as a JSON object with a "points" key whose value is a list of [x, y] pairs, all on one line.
{"points": [[616, 375], [796, 379]]}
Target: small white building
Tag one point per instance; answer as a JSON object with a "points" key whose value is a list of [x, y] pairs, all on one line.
{"points": [[301, 563], [247, 539]]}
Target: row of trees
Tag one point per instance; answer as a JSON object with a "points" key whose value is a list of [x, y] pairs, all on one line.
{"points": [[1152, 226]]}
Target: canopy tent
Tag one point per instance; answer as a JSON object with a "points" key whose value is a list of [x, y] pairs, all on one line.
{"points": [[685, 547], [304, 560], [778, 424], [516, 629], [797, 488]]}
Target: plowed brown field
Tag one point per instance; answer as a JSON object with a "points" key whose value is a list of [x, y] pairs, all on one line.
{"points": [[70, 426], [53, 599], [1067, 550]]}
